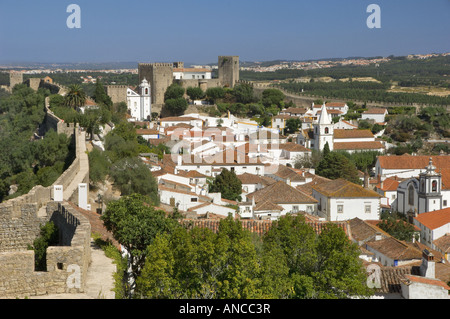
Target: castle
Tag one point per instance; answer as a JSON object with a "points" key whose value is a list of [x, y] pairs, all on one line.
{"points": [[161, 75]]}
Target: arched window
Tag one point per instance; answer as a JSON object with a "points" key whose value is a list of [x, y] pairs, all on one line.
{"points": [[326, 130], [411, 195], [434, 186], [146, 91]]}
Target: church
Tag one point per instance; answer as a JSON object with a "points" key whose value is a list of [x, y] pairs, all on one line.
{"points": [[428, 192], [350, 140], [139, 102]]}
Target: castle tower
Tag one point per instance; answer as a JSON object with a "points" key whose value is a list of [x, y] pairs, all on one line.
{"points": [[145, 105], [15, 78], [228, 70], [323, 130], [159, 76], [430, 184]]}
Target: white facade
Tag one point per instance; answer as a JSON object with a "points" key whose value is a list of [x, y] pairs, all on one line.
{"points": [[139, 104], [213, 208], [378, 117], [341, 209], [323, 131], [191, 74]]}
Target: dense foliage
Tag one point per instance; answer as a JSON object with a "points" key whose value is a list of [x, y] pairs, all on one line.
{"points": [[290, 261], [25, 161], [227, 184]]}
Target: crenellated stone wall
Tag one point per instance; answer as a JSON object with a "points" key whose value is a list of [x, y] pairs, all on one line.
{"points": [[67, 264], [20, 222]]}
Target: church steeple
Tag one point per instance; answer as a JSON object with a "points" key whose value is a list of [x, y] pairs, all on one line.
{"points": [[430, 183], [324, 117], [323, 130]]}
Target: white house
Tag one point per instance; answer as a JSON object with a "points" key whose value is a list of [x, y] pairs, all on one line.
{"points": [[407, 166], [139, 103], [209, 207], [276, 200], [191, 74], [433, 225], [340, 200], [376, 114], [175, 120]]}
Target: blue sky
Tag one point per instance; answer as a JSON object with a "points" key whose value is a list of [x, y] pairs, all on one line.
{"points": [[197, 31]]}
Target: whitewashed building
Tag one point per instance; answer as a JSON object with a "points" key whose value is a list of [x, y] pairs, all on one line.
{"points": [[340, 200], [139, 103]]}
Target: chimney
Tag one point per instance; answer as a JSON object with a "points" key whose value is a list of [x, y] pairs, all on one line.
{"points": [[427, 269]]}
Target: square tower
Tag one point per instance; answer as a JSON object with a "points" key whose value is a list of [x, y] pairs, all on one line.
{"points": [[159, 76], [228, 70]]}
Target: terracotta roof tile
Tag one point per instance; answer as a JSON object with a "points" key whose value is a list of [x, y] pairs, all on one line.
{"points": [[343, 133], [396, 249], [343, 188], [374, 145], [413, 162], [443, 243], [434, 219], [281, 193]]}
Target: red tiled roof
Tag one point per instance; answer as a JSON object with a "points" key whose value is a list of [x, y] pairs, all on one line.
{"points": [[260, 227], [343, 133], [375, 111], [374, 145], [435, 219], [428, 281], [343, 188], [389, 184], [413, 162]]}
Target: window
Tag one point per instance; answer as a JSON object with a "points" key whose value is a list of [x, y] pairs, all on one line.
{"points": [[340, 209], [445, 203], [309, 209], [326, 130], [411, 195], [393, 196], [295, 209], [194, 199], [368, 209], [434, 186]]}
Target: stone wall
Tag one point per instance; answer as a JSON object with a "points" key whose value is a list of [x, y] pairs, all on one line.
{"points": [[20, 222], [117, 93], [67, 263]]}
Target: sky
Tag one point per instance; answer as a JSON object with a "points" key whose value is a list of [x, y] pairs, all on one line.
{"points": [[198, 31]]}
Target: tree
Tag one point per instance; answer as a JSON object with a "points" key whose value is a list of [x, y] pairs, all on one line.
{"points": [[227, 184], [132, 176], [176, 106], [173, 92], [215, 93], [135, 224], [326, 150], [198, 263], [319, 266], [272, 96], [76, 96], [243, 93], [336, 165], [99, 166], [195, 93], [100, 95], [292, 125], [397, 228]]}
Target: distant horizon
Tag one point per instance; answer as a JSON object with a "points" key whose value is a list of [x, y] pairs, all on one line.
{"points": [[12, 63]]}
